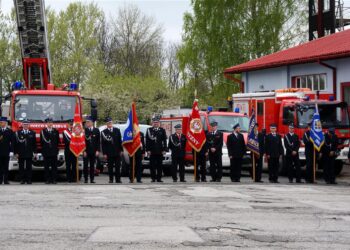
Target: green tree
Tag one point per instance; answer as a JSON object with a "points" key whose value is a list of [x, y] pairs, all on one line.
{"points": [[10, 58], [73, 41], [219, 34]]}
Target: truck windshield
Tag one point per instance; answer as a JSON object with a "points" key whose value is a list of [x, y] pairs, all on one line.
{"points": [[37, 108], [332, 115], [226, 122]]}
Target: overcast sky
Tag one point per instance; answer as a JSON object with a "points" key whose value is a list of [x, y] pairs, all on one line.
{"points": [[169, 13]]}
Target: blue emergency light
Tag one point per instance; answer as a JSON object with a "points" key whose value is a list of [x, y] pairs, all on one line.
{"points": [[17, 85], [307, 98], [73, 86], [331, 98], [209, 109], [236, 110]]}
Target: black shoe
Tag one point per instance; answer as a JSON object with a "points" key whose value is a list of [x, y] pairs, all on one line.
{"points": [[276, 181], [29, 182], [7, 183], [118, 181], [110, 181], [174, 180], [299, 181], [218, 180], [196, 180], [92, 182], [159, 181], [153, 181], [204, 180], [23, 182], [212, 180], [54, 182], [332, 182], [183, 181], [139, 181], [47, 182], [86, 181], [259, 181]]}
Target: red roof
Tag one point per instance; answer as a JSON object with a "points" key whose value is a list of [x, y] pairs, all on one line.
{"points": [[329, 47]]}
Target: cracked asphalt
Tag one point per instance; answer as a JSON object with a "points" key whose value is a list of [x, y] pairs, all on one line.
{"points": [[184, 216]]}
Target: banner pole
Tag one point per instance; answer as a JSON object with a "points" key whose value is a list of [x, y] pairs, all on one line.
{"points": [[253, 155], [314, 166], [77, 170], [195, 166], [133, 168]]}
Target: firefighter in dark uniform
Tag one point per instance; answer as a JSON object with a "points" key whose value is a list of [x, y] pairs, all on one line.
{"points": [[6, 146], [292, 145], [201, 160], [49, 138], [156, 147], [112, 150], [139, 155], [70, 158], [236, 149], [309, 154], [274, 150], [25, 147], [259, 159], [329, 154], [215, 143], [177, 145], [92, 151]]}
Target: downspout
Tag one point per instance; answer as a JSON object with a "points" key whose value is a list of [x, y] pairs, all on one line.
{"points": [[334, 69], [236, 80]]}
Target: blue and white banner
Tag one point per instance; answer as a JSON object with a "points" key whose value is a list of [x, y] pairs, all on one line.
{"points": [[316, 134], [252, 140]]}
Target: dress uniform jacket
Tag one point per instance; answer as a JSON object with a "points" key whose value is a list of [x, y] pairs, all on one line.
{"points": [[215, 140], [156, 140], [236, 145], [291, 143], [273, 146], [25, 145], [49, 142], [177, 145], [330, 144], [92, 139], [6, 142], [111, 142]]}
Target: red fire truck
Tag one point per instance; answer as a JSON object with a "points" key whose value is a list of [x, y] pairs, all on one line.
{"points": [[37, 98], [297, 106], [226, 120]]}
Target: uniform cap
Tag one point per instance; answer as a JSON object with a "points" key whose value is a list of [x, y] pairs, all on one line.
{"points": [[291, 125], [25, 121], [236, 126], [3, 119], [178, 126], [213, 124], [109, 119], [155, 119], [88, 118], [273, 125], [49, 119]]}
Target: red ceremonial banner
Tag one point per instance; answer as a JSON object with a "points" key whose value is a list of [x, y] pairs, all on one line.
{"points": [[77, 143], [132, 137], [195, 133]]}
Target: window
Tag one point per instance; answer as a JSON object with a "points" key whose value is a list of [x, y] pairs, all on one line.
{"points": [[326, 5], [288, 115], [260, 108], [313, 82]]}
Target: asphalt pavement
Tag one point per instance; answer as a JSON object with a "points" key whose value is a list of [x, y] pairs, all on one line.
{"points": [[176, 215]]}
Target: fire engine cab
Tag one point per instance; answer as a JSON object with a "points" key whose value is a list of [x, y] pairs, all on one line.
{"points": [[297, 106]]}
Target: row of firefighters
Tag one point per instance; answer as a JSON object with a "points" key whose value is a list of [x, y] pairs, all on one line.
{"points": [[154, 143]]}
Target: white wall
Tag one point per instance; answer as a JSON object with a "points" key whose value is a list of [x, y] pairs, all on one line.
{"points": [[270, 79], [277, 78]]}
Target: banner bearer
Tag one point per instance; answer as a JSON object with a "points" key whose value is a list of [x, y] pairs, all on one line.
{"points": [[70, 158], [309, 154]]}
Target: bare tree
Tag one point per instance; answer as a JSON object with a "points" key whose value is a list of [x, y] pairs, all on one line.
{"points": [[135, 44], [171, 67]]}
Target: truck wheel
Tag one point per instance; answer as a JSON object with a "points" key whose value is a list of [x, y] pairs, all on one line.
{"points": [[338, 167]]}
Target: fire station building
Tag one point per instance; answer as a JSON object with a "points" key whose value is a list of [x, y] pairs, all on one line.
{"points": [[322, 64]]}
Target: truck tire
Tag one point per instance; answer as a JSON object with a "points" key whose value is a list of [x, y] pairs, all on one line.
{"points": [[338, 167]]}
